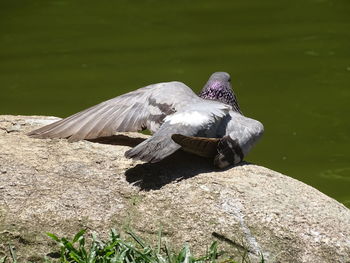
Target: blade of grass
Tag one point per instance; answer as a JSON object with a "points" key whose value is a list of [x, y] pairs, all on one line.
{"points": [[76, 257], [168, 253], [13, 254], [114, 235], [136, 238], [53, 236], [159, 245], [187, 254], [213, 252], [181, 256], [144, 256], [92, 255], [262, 258], [78, 235]]}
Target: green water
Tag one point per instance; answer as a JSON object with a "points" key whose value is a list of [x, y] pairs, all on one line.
{"points": [[289, 62]]}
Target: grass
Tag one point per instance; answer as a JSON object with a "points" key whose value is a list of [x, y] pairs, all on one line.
{"points": [[117, 250]]}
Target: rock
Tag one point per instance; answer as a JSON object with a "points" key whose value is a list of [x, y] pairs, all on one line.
{"points": [[55, 186]]}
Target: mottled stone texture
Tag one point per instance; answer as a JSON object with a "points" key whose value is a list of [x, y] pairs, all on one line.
{"points": [[55, 186]]}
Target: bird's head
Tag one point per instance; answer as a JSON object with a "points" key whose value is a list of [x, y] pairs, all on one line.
{"points": [[218, 88]]}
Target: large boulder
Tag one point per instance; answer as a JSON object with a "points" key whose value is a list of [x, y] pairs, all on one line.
{"points": [[51, 185]]}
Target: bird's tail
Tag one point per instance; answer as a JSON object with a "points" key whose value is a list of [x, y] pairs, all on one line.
{"points": [[202, 146]]}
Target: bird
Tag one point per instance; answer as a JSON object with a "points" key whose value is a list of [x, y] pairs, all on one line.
{"points": [[210, 124]]}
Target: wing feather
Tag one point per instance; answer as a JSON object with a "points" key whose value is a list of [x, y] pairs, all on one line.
{"points": [[88, 127], [133, 111]]}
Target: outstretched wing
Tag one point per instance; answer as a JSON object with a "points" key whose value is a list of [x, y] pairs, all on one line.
{"points": [[144, 108], [195, 119]]}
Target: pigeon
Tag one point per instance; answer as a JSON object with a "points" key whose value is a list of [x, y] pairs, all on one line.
{"points": [[210, 124]]}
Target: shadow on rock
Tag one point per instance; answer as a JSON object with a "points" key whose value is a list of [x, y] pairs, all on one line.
{"points": [[119, 140], [152, 176], [180, 165]]}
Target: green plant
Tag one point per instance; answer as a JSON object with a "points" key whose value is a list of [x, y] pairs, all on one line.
{"points": [[117, 250]]}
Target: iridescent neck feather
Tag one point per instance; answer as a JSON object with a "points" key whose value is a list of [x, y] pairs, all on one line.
{"points": [[221, 91]]}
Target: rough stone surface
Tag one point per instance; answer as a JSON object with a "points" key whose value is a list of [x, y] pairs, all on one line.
{"points": [[60, 187]]}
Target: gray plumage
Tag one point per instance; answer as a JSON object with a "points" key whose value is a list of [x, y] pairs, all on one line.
{"points": [[175, 115]]}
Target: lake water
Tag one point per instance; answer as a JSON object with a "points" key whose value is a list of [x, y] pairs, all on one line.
{"points": [[289, 62]]}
